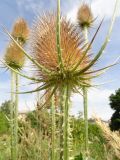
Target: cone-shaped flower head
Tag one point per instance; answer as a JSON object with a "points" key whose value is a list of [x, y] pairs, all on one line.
{"points": [[20, 31], [85, 16], [44, 50], [14, 57]]}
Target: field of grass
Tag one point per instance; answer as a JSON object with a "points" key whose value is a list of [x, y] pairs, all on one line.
{"points": [[35, 143]]}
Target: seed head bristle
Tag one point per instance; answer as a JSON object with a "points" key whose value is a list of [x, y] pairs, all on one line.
{"points": [[85, 16]]}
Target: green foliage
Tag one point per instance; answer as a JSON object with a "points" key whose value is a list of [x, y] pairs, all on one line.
{"points": [[115, 121], [79, 157], [115, 100], [4, 124], [115, 104], [96, 139], [5, 108]]}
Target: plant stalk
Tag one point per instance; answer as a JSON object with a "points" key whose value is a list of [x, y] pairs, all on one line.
{"points": [[86, 119], [58, 36], [85, 103], [62, 96], [12, 114], [53, 127], [66, 124], [16, 117]]}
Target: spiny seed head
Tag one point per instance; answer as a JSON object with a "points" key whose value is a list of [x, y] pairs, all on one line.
{"points": [[20, 31], [85, 16], [44, 45], [43, 42], [14, 57]]}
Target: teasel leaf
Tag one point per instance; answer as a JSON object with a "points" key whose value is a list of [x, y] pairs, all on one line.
{"points": [[104, 69], [41, 88]]}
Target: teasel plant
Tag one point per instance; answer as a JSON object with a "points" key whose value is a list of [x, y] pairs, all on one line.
{"points": [[15, 58], [53, 106], [62, 63], [85, 21]]}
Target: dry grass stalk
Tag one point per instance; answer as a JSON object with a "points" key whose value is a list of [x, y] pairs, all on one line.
{"points": [[113, 138]]}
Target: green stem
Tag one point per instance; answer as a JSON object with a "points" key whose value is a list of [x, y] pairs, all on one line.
{"points": [[85, 98], [11, 114], [66, 124], [39, 129], [16, 118], [62, 96], [86, 120], [58, 35], [53, 127]]}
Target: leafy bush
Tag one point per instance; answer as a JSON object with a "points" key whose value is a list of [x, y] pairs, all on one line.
{"points": [[4, 124]]}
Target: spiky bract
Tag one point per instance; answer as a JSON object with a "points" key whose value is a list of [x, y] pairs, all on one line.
{"points": [[44, 50], [85, 16], [20, 31], [14, 57]]}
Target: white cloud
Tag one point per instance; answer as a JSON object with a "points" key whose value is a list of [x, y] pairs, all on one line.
{"points": [[100, 8], [30, 5], [104, 8]]}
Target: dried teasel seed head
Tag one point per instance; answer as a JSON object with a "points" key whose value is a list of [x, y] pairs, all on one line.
{"points": [[85, 16], [14, 57], [43, 44], [20, 31]]}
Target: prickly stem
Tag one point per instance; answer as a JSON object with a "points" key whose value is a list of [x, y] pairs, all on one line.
{"points": [[53, 127], [12, 115], [16, 116], [85, 103]]}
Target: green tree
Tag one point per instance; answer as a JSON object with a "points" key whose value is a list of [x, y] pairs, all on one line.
{"points": [[4, 124], [115, 105], [5, 108]]}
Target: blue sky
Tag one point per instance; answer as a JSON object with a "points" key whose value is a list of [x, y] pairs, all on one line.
{"points": [[98, 97]]}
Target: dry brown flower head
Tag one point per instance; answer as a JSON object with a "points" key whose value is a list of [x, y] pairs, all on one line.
{"points": [[43, 44], [20, 31], [14, 57], [85, 16]]}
